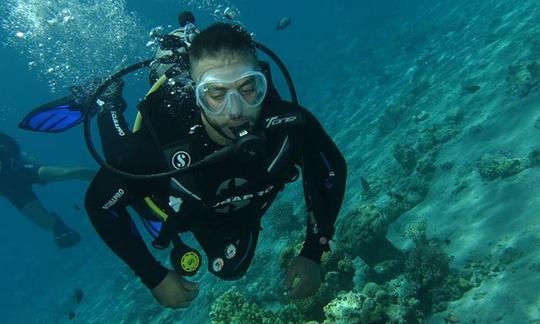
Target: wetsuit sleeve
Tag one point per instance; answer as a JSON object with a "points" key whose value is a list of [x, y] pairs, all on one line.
{"points": [[106, 200], [113, 127], [324, 173]]}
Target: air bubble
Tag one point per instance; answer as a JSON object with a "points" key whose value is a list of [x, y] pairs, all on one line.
{"points": [[102, 32]]}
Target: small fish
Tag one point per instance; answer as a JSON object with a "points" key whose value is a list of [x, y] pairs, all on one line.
{"points": [[365, 184], [283, 23], [473, 88], [71, 315], [230, 13], [77, 207], [78, 294]]}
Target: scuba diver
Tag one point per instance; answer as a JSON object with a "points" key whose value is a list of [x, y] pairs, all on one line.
{"points": [[210, 160], [18, 172], [172, 51]]}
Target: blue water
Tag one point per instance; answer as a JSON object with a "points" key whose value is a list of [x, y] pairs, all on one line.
{"points": [[334, 50]]}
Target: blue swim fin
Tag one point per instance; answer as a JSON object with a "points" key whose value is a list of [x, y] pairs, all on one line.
{"points": [[54, 117]]}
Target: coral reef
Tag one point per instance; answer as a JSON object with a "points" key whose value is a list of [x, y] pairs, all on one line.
{"points": [[416, 231], [427, 264], [534, 157], [452, 287], [354, 307], [233, 308], [339, 262], [478, 270], [491, 168], [287, 254], [404, 195], [395, 302], [428, 278], [420, 147], [312, 307], [426, 166], [422, 284], [523, 78], [338, 272], [406, 156], [361, 226], [403, 306], [362, 233], [409, 285]]}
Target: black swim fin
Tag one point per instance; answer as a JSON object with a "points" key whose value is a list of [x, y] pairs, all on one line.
{"points": [[54, 117], [64, 237]]}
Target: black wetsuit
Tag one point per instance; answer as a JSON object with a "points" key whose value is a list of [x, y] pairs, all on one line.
{"points": [[221, 204], [16, 175]]}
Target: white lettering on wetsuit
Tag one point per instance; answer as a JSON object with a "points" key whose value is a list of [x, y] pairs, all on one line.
{"points": [[273, 121], [116, 123], [114, 199], [244, 197]]}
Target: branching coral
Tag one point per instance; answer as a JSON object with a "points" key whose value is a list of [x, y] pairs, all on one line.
{"points": [[233, 308], [416, 231], [404, 306], [427, 264], [394, 303], [354, 308], [338, 272]]}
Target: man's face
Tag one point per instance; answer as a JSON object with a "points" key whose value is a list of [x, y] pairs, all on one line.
{"points": [[235, 101]]}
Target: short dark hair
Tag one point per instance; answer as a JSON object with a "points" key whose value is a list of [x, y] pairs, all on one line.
{"points": [[186, 17], [219, 38]]}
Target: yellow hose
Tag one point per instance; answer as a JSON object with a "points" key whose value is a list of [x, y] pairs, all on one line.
{"points": [[138, 119], [136, 126]]}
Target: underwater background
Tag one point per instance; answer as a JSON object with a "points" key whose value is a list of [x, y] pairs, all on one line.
{"points": [[435, 105]]}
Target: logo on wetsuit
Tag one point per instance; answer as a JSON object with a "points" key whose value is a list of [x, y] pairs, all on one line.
{"points": [[239, 201], [116, 123], [114, 199], [180, 160], [274, 121]]}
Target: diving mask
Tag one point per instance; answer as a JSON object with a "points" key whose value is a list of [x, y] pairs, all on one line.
{"points": [[231, 90], [190, 31]]}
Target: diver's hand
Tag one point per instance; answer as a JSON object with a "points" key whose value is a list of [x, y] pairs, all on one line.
{"points": [[175, 292], [113, 91], [111, 95], [308, 274]]}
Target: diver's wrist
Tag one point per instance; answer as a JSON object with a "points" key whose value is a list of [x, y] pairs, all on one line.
{"points": [[154, 275]]}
